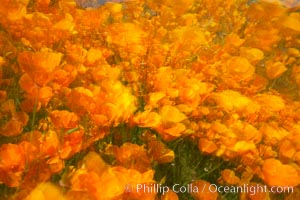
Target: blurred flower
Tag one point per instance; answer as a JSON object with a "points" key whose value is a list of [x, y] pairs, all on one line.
{"points": [[66, 24], [272, 133], [252, 54], [111, 182], [277, 174], [45, 191], [274, 70], [259, 194], [128, 37], [292, 22], [230, 100]]}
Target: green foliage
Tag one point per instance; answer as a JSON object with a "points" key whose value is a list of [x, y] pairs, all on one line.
{"points": [[190, 165]]}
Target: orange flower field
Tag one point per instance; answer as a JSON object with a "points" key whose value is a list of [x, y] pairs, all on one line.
{"points": [[150, 99]]}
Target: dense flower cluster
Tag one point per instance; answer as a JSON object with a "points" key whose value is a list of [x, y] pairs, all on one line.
{"points": [[134, 76]]}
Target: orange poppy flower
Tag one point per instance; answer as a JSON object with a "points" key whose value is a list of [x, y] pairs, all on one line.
{"points": [[66, 24], [264, 36], [287, 150], [162, 81], [114, 186], [147, 119], [242, 147], [252, 54], [55, 164], [38, 171], [259, 83], [30, 105], [245, 131], [270, 102], [28, 85], [128, 36], [207, 146], [134, 182], [170, 195], [274, 70], [133, 156], [17, 9], [121, 107], [232, 100], [8, 107], [178, 7], [63, 77], [112, 183], [258, 194], [12, 157], [39, 65], [274, 173], [160, 152], [64, 119], [266, 151], [192, 90], [30, 149], [292, 22], [171, 114], [81, 100], [171, 131], [93, 162], [250, 159], [96, 55], [240, 68], [181, 36], [82, 180], [45, 94], [75, 53], [100, 72], [273, 133], [153, 99], [230, 177], [100, 119], [49, 144], [12, 164], [258, 11], [14, 126], [72, 143], [232, 42], [205, 191]]}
